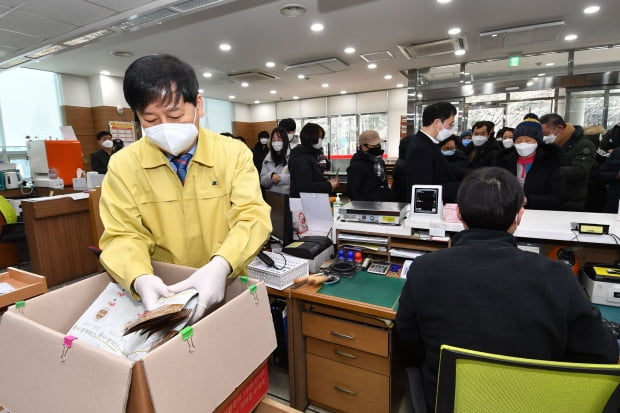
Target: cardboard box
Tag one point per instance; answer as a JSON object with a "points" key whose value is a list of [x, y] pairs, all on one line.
{"points": [[230, 343], [26, 284]]}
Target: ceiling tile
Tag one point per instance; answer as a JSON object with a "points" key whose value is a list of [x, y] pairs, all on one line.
{"points": [[122, 5], [43, 28], [76, 12], [15, 41]]}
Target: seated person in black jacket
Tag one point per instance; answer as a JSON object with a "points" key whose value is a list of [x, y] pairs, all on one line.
{"points": [[366, 177], [486, 294], [305, 172], [536, 166], [99, 160]]}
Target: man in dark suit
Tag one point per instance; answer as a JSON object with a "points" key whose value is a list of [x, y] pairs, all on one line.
{"points": [[99, 160], [425, 163]]}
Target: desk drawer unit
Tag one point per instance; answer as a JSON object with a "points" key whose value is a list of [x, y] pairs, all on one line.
{"points": [[348, 364]]}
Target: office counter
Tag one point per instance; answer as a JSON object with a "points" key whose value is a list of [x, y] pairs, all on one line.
{"points": [[58, 231]]}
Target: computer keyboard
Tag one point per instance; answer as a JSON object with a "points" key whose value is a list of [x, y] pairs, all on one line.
{"points": [[614, 327]]}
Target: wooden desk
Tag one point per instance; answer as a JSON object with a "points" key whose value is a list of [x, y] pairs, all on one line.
{"points": [[59, 233], [336, 371]]}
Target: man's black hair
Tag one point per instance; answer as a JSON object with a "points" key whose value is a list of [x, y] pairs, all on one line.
{"points": [[288, 124], [159, 78], [310, 134], [452, 138], [481, 124], [102, 133], [263, 134], [490, 198], [553, 119], [439, 110]]}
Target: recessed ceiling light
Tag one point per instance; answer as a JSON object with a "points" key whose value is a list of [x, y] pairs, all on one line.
{"points": [[460, 52], [300, 76], [468, 82], [419, 95], [325, 85], [273, 91], [387, 77], [270, 64], [105, 72], [591, 9], [224, 47], [292, 10], [454, 30], [530, 83], [231, 97], [372, 65], [201, 91], [257, 101], [343, 92], [443, 1], [494, 35], [399, 85], [550, 64], [121, 53], [207, 74], [570, 37], [245, 84], [540, 74], [349, 50], [295, 97], [317, 27]]}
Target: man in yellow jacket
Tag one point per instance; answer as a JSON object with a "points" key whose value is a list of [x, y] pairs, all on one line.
{"points": [[182, 195]]}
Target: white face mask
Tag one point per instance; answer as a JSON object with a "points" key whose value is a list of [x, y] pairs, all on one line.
{"points": [[277, 146], [318, 145], [291, 137], [173, 138], [479, 140], [526, 149], [444, 134], [264, 141], [107, 144], [549, 139], [508, 143]]}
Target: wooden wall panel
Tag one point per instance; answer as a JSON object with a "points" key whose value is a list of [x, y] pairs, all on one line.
{"points": [[249, 130]]}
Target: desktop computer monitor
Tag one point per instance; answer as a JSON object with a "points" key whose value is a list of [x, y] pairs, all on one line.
{"points": [[281, 218]]}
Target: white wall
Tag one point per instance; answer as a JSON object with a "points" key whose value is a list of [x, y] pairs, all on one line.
{"points": [[112, 91], [263, 112], [74, 90], [397, 106], [241, 113]]}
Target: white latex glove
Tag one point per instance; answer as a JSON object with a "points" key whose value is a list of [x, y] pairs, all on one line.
{"points": [[150, 288], [210, 281]]}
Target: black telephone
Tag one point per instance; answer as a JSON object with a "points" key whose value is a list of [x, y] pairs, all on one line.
{"points": [[308, 247]]}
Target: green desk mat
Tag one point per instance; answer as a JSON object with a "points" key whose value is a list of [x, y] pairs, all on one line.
{"points": [[367, 288]]}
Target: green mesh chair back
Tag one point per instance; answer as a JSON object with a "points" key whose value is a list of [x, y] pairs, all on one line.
{"points": [[476, 382]]}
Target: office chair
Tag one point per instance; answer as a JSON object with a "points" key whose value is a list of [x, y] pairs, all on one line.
{"points": [[473, 381], [16, 251]]}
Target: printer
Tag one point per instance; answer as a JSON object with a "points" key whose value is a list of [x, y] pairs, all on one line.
{"points": [[315, 249], [602, 283]]}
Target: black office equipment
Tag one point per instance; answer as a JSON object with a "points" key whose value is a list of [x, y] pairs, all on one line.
{"points": [[281, 218]]}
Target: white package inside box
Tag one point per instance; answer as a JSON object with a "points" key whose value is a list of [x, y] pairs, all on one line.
{"points": [[230, 343]]}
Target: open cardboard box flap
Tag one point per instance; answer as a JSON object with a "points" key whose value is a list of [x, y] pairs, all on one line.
{"points": [[230, 343]]}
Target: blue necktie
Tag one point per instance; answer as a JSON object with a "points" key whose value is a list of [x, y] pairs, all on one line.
{"points": [[181, 162]]}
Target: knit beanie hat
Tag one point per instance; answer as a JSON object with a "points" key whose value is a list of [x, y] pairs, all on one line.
{"points": [[529, 127]]}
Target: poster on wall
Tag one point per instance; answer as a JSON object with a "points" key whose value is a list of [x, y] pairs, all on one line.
{"points": [[122, 130]]}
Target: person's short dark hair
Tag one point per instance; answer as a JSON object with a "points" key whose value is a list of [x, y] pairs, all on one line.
{"points": [[452, 138], [490, 126], [530, 115], [482, 124], [239, 138], [553, 119], [102, 134], [159, 78], [117, 145], [490, 198], [288, 124], [263, 134], [310, 134], [439, 110], [500, 133], [230, 135]]}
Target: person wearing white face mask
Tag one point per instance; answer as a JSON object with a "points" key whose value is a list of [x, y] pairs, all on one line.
{"points": [[505, 136], [99, 160], [182, 194], [261, 149], [306, 175], [485, 149], [424, 162], [536, 167], [274, 174]]}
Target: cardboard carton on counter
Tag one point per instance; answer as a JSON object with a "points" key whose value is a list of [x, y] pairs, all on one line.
{"points": [[230, 344]]}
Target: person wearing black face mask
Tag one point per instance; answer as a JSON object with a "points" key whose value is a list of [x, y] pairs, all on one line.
{"points": [[366, 177]]}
